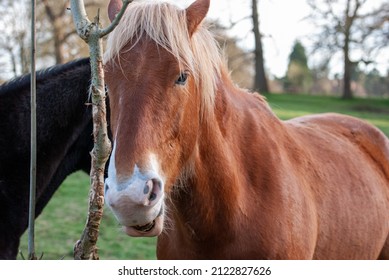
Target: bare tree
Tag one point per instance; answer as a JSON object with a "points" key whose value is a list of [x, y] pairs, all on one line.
{"points": [[240, 62], [56, 36], [64, 46], [346, 26], [14, 22], [260, 81], [59, 21]]}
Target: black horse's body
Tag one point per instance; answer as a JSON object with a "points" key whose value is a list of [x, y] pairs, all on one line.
{"points": [[64, 124]]}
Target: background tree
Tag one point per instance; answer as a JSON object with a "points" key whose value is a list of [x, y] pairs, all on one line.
{"points": [[57, 40], [348, 26], [260, 81], [376, 84], [65, 44], [258, 77], [60, 23], [14, 37], [240, 62], [298, 76]]}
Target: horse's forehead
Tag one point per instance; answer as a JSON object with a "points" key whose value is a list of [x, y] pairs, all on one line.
{"points": [[141, 55], [143, 67]]}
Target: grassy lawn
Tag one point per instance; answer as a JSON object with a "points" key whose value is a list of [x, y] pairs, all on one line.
{"points": [[62, 221], [375, 111]]}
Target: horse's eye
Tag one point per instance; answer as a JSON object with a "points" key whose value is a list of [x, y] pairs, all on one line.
{"points": [[182, 79]]}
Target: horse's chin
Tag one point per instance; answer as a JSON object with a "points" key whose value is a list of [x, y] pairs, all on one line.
{"points": [[151, 229]]}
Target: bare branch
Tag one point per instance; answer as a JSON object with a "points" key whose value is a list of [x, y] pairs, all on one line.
{"points": [[49, 11], [233, 24], [115, 22], [91, 33], [80, 18]]}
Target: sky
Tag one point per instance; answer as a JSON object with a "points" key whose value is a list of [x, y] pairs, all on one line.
{"points": [[281, 22], [280, 28]]}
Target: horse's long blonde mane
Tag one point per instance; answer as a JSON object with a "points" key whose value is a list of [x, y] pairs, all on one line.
{"points": [[166, 25]]}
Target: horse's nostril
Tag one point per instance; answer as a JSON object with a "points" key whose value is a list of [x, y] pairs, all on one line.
{"points": [[106, 187], [152, 196], [148, 187], [153, 190]]}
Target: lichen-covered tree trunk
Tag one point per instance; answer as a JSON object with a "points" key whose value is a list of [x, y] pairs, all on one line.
{"points": [[85, 247], [92, 33]]}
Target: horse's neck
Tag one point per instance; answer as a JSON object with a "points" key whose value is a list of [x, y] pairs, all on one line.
{"points": [[61, 112], [214, 195]]}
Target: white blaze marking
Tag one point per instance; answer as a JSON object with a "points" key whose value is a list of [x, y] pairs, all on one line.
{"points": [[137, 175]]}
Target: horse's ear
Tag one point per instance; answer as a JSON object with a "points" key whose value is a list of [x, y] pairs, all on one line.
{"points": [[195, 14], [114, 7]]}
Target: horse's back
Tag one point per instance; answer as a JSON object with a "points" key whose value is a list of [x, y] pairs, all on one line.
{"points": [[350, 185], [364, 135]]}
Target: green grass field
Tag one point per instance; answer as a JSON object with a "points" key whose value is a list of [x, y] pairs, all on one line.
{"points": [[375, 111], [62, 221]]}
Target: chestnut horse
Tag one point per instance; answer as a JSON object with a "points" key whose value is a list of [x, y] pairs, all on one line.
{"points": [[209, 169]]}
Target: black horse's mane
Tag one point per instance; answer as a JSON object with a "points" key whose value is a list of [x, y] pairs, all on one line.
{"points": [[18, 83]]}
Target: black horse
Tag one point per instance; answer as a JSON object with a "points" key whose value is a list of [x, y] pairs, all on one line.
{"points": [[64, 136]]}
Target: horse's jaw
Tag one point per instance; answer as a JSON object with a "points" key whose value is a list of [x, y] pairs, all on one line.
{"points": [[151, 229]]}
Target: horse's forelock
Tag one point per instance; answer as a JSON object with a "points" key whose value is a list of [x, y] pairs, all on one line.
{"points": [[166, 25]]}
